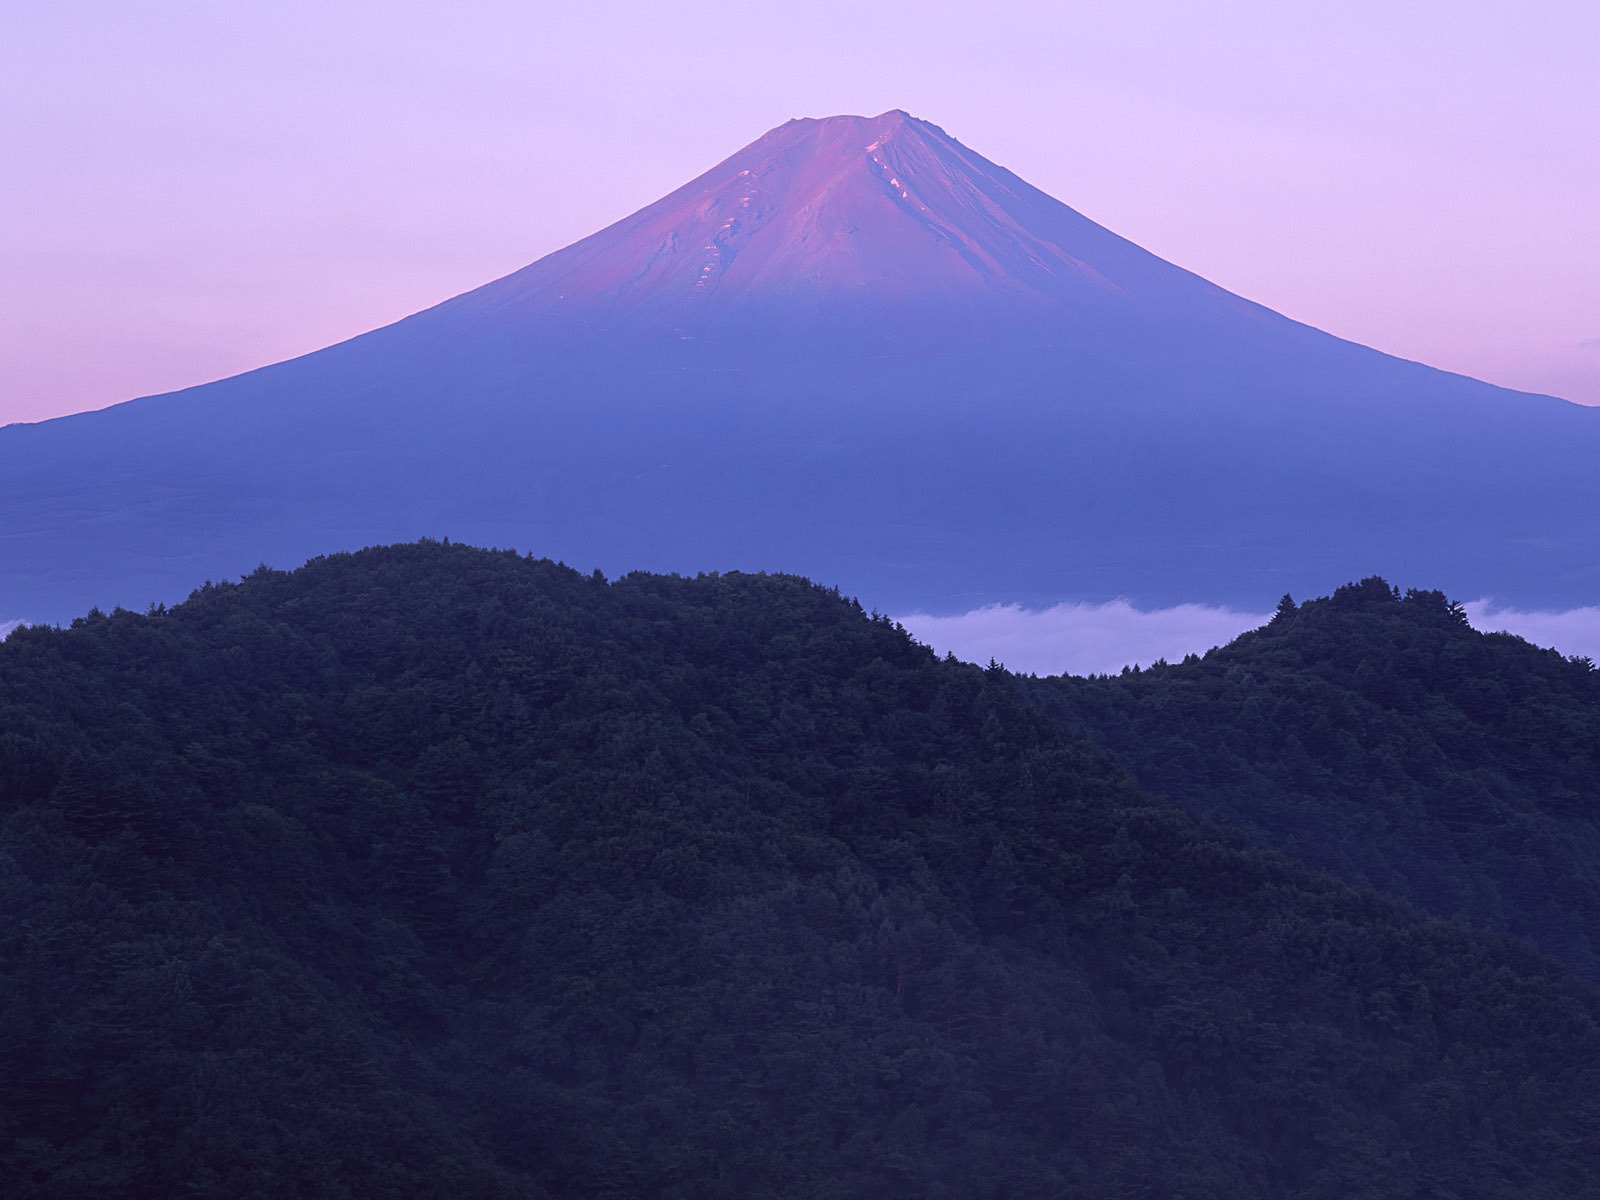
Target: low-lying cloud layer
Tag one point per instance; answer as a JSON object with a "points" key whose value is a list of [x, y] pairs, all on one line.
{"points": [[1576, 631], [1079, 639], [1094, 639], [1091, 639]]}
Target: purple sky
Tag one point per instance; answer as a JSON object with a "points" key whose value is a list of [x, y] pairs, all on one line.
{"points": [[193, 189]]}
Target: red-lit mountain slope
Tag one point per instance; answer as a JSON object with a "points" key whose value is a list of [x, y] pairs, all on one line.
{"points": [[886, 216]]}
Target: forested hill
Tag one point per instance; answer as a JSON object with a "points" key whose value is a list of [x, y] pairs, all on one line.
{"points": [[435, 871], [1379, 736]]}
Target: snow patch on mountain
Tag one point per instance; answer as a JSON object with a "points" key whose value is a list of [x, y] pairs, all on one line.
{"points": [[889, 210]]}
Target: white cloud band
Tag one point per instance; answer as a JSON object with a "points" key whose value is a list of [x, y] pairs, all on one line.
{"points": [[1575, 631], [1081, 639], [1088, 639]]}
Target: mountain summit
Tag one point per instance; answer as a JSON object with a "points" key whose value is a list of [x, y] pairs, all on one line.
{"points": [[836, 218], [855, 349]]}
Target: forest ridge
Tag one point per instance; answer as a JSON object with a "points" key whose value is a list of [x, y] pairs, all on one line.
{"points": [[432, 870]]}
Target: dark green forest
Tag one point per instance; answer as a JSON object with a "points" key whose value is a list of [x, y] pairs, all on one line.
{"points": [[1376, 735], [432, 871]]}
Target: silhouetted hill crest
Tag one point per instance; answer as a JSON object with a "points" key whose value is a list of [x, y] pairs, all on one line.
{"points": [[1376, 734]]}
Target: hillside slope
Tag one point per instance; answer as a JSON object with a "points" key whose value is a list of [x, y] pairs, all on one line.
{"points": [[437, 871], [1380, 737]]}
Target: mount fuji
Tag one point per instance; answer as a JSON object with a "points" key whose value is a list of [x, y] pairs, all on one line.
{"points": [[855, 350]]}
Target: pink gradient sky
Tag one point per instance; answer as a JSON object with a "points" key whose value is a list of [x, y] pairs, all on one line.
{"points": [[193, 189]]}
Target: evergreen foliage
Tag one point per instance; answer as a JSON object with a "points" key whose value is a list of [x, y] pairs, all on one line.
{"points": [[1377, 735], [435, 871]]}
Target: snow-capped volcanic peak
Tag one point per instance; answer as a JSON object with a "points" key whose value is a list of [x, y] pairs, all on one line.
{"points": [[846, 210], [855, 350]]}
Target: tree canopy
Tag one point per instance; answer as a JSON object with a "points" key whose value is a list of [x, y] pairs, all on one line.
{"points": [[438, 871]]}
